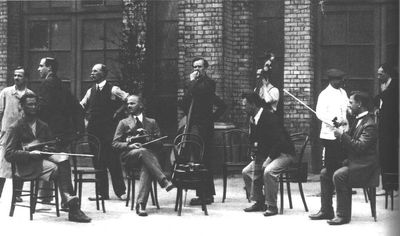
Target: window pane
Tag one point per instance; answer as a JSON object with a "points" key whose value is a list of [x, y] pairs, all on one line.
{"points": [[39, 4], [269, 37], [113, 34], [334, 28], [88, 3], [39, 35], [366, 85], [113, 2], [93, 34], [167, 10], [392, 24], [167, 75], [61, 35], [64, 65], [334, 57], [269, 8], [60, 3], [361, 60], [89, 59], [113, 63], [361, 27]]}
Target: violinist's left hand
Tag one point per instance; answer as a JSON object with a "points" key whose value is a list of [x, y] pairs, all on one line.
{"points": [[338, 132], [135, 145], [48, 148]]}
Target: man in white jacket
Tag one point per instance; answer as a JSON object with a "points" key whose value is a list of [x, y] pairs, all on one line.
{"points": [[331, 110]]}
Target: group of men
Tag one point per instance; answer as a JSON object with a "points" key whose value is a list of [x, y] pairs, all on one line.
{"points": [[349, 156]]}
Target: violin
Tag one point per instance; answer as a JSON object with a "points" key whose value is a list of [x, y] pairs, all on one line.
{"points": [[38, 144]]}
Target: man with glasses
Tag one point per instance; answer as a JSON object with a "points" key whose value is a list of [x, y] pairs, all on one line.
{"points": [[200, 94]]}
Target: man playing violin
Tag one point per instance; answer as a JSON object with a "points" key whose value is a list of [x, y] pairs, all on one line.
{"points": [[33, 164], [129, 136]]}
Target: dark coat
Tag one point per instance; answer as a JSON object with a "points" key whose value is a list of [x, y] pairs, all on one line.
{"points": [[127, 126], [59, 108], [360, 148], [271, 136], [388, 120], [19, 134]]}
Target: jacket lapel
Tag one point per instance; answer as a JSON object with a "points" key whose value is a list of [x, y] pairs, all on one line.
{"points": [[360, 126]]}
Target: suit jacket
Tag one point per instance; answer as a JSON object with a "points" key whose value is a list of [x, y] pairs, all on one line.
{"points": [[271, 137], [389, 126], [59, 108], [202, 91], [127, 126], [18, 134], [360, 147]]}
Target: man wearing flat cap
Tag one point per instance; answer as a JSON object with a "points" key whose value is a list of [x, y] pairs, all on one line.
{"points": [[331, 110]]}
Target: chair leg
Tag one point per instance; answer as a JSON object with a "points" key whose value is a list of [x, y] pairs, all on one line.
{"points": [[365, 194], [80, 192], [302, 196], [152, 196], [177, 199], [180, 202], [247, 195], [391, 198], [13, 198], [281, 192], [36, 191], [128, 196], [32, 200], [386, 199], [289, 192], [97, 194], [156, 194], [372, 198], [225, 179], [56, 198], [133, 194], [203, 204]]}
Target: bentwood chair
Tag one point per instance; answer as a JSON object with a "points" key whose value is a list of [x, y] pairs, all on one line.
{"points": [[236, 155], [189, 171], [391, 184], [32, 193], [84, 168], [296, 172], [131, 176]]}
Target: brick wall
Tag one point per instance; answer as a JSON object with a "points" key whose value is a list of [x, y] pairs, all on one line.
{"points": [[298, 64], [221, 32], [15, 38], [3, 44]]}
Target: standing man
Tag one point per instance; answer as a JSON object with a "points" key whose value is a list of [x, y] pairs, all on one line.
{"points": [[357, 169], [101, 103], [272, 152], [387, 105], [133, 154], [200, 94], [9, 113], [58, 107], [33, 164]]}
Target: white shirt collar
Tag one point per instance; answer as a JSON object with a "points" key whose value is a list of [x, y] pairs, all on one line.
{"points": [[140, 117], [361, 115], [101, 84], [257, 116]]}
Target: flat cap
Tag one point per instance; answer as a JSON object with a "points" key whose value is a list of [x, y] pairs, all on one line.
{"points": [[335, 73]]}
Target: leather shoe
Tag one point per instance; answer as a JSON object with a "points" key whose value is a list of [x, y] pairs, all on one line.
{"points": [[121, 197], [255, 207], [197, 202], [169, 187], [271, 210], [321, 216], [140, 211], [78, 216], [100, 198], [338, 221]]}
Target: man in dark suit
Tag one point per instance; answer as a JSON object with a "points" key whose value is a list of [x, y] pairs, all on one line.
{"points": [[133, 154], [33, 164], [58, 108], [272, 152], [387, 106], [101, 103], [359, 145], [200, 94]]}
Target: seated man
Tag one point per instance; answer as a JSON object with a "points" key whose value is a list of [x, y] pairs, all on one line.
{"points": [[134, 154], [33, 164], [272, 152], [358, 169]]}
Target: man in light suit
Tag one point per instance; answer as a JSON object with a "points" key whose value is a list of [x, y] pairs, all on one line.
{"points": [[134, 154], [359, 167]]}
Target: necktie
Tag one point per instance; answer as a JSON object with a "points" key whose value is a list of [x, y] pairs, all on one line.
{"points": [[138, 123]]}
